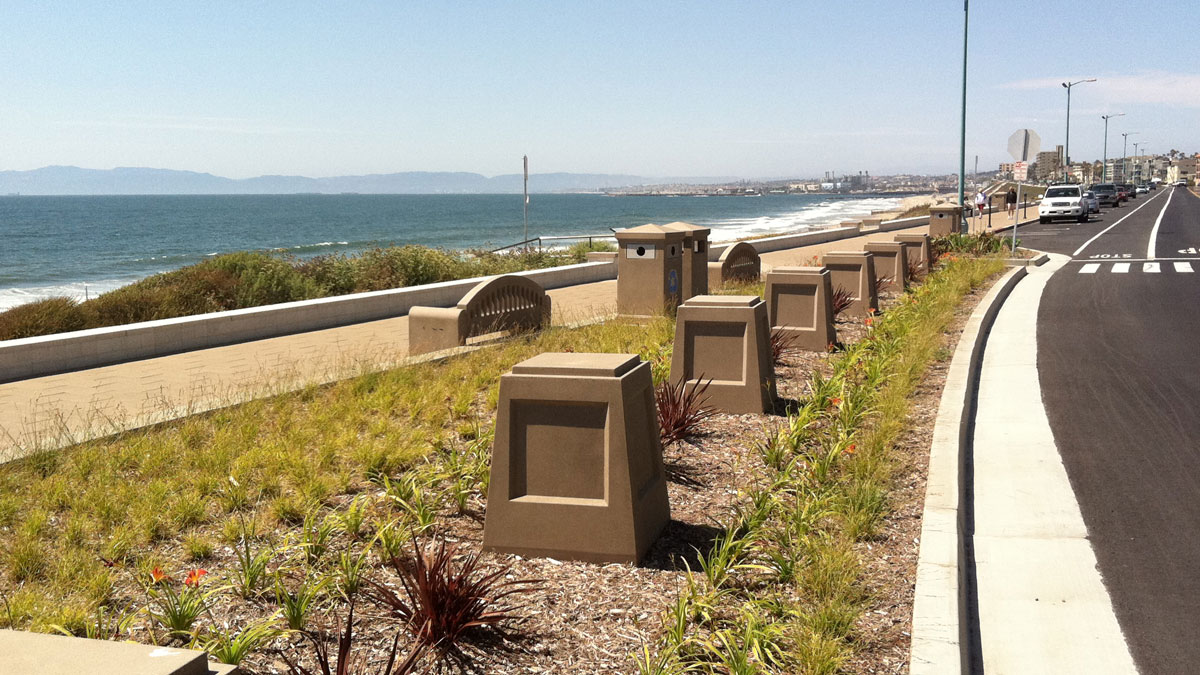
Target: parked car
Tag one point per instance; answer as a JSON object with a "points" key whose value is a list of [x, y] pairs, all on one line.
{"points": [[1091, 201], [1107, 194], [1142, 189], [1153, 185], [1128, 190], [1181, 183], [1062, 201]]}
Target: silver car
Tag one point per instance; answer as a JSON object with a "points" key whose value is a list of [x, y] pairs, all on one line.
{"points": [[1092, 201]]}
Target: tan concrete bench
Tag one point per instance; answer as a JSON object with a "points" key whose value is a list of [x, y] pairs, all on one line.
{"points": [[507, 302], [739, 262]]}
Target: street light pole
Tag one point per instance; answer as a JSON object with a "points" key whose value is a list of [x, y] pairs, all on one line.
{"points": [[1104, 162], [962, 140], [1067, 148], [1124, 154], [1137, 169]]}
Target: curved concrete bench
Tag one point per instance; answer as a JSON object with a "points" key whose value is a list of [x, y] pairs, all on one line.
{"points": [[739, 262], [506, 302]]}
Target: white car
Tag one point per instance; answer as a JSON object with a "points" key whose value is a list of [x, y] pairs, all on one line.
{"points": [[1062, 201], [1091, 201]]}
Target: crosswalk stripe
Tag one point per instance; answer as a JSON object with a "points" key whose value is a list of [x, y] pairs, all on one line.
{"points": [[1120, 268], [1089, 268], [1151, 268], [1183, 267]]}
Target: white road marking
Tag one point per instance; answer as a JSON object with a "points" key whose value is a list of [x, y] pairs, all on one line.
{"points": [[1089, 268], [1154, 232], [1150, 268], [1183, 267], [1101, 232], [1120, 268]]}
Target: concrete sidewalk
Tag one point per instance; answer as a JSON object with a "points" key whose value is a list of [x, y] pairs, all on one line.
{"points": [[57, 410], [1042, 605]]}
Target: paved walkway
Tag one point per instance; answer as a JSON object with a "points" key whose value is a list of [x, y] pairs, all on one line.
{"points": [[52, 411], [1042, 605]]}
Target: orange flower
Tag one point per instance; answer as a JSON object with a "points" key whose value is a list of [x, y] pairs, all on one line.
{"points": [[157, 576], [849, 450], [870, 321], [193, 577], [835, 401]]}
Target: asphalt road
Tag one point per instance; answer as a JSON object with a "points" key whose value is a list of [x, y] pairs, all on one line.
{"points": [[1119, 360]]}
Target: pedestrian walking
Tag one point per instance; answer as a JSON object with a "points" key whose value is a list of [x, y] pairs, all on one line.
{"points": [[980, 201], [1010, 200]]}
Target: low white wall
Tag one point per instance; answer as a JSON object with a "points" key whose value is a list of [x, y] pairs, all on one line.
{"points": [[46, 355]]}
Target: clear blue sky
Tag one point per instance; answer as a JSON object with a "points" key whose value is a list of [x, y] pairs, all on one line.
{"points": [[648, 88]]}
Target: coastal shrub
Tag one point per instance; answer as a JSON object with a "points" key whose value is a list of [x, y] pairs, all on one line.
{"points": [[578, 252], [982, 244], [396, 267], [30, 319], [256, 278]]}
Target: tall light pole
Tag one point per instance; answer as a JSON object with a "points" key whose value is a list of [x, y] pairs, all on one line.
{"points": [[1067, 148], [1137, 168], [1104, 162], [962, 139], [1124, 154]]}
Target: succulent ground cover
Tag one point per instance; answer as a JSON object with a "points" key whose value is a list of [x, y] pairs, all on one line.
{"points": [[248, 531]]}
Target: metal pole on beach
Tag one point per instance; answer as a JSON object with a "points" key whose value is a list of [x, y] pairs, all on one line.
{"points": [[525, 238]]}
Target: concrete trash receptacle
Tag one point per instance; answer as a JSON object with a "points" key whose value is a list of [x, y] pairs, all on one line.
{"points": [[695, 258], [944, 219], [917, 252], [854, 271], [726, 340], [800, 306], [649, 270], [891, 265], [577, 468]]}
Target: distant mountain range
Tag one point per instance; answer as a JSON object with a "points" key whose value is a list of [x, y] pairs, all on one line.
{"points": [[72, 180]]}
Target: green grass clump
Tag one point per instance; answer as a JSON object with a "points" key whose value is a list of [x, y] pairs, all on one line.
{"points": [[782, 590], [292, 480]]}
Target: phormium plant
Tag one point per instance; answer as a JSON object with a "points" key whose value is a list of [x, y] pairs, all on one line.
{"points": [[681, 409], [842, 299], [444, 601]]}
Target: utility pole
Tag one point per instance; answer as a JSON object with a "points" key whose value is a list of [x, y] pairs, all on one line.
{"points": [[1067, 148], [1104, 162]]}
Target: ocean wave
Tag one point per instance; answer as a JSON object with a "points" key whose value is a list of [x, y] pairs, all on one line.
{"points": [[823, 214], [79, 290]]}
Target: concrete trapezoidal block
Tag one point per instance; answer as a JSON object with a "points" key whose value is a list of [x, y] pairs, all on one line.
{"points": [[854, 271], [577, 468], [918, 249], [800, 306], [726, 339], [891, 265]]}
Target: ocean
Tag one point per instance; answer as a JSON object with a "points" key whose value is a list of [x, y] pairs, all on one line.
{"points": [[82, 246]]}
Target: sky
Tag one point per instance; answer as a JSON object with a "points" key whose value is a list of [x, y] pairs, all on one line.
{"points": [[750, 89]]}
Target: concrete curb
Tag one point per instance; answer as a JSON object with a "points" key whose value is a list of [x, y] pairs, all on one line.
{"points": [[941, 635]]}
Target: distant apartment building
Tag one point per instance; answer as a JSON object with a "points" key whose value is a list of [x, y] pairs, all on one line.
{"points": [[1006, 169], [1049, 163], [1114, 170]]}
